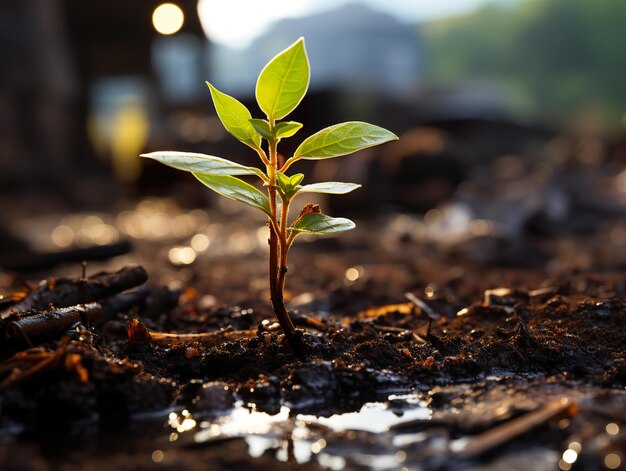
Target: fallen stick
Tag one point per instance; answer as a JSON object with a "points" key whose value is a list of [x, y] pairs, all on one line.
{"points": [[138, 333], [147, 301], [65, 292], [302, 320], [37, 328], [502, 433]]}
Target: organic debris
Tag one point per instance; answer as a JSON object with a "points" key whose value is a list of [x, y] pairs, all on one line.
{"points": [[487, 376]]}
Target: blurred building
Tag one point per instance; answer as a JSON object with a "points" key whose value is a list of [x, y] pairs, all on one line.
{"points": [[353, 47], [80, 85]]}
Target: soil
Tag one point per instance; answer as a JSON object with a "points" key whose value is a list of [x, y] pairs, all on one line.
{"points": [[481, 346]]}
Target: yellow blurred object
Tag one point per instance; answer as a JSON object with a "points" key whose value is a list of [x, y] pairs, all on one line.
{"points": [[129, 134]]}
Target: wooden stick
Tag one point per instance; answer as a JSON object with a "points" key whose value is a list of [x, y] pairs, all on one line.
{"points": [[47, 325], [66, 292], [137, 332], [500, 434]]}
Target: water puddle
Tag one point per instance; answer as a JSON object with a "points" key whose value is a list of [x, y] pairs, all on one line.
{"points": [[398, 432], [355, 437]]}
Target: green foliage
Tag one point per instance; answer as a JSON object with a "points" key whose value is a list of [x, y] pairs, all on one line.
{"points": [[286, 129], [289, 186], [201, 163], [554, 58], [318, 223], [262, 126], [283, 82], [280, 87], [280, 130], [342, 139], [235, 117], [235, 189], [331, 188]]}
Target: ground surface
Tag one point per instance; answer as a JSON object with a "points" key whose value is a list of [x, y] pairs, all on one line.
{"points": [[504, 342]]}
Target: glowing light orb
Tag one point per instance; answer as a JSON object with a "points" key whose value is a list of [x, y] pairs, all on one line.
{"points": [[168, 18]]}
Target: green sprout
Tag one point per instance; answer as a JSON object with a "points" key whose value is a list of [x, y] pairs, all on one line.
{"points": [[281, 85]]}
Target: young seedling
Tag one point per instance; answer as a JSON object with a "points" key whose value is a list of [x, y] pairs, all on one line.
{"points": [[280, 87]]}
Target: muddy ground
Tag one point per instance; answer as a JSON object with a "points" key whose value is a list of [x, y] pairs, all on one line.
{"points": [[503, 343]]}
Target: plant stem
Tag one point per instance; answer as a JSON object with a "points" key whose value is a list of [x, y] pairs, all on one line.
{"points": [[284, 248], [278, 250]]}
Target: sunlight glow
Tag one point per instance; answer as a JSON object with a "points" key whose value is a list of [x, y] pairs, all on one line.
{"points": [[236, 23], [168, 18]]}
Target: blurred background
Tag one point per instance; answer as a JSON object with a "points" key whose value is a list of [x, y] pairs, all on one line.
{"points": [[511, 116]]}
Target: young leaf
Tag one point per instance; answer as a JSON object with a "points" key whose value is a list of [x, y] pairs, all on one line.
{"points": [[283, 81], [201, 163], [318, 223], [342, 139], [286, 128], [284, 183], [289, 185], [235, 189], [235, 117], [333, 188], [296, 179], [262, 127]]}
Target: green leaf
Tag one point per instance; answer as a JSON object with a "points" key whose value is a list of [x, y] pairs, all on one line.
{"points": [[286, 129], [283, 81], [235, 189], [192, 162], [289, 185], [296, 179], [235, 117], [262, 127], [281, 129], [318, 223], [333, 188], [342, 139], [284, 183]]}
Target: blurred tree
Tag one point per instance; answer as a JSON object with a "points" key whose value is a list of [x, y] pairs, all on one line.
{"points": [[556, 58]]}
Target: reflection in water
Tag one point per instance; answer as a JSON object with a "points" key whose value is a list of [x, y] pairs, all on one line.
{"points": [[299, 438], [373, 417], [398, 433]]}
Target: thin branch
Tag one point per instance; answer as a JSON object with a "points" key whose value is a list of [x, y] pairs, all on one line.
{"points": [[288, 163], [137, 332]]}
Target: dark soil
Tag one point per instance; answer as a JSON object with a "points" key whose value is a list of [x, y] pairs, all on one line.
{"points": [[363, 341]]}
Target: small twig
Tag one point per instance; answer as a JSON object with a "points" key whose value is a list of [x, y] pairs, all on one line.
{"points": [[425, 308], [20, 376], [208, 339], [500, 434], [404, 309], [137, 332], [422, 305], [302, 320], [66, 292], [42, 326]]}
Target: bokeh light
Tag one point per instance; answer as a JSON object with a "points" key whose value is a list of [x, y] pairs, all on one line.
{"points": [[168, 18]]}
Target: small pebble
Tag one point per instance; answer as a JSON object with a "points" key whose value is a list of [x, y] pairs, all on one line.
{"points": [[191, 352]]}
